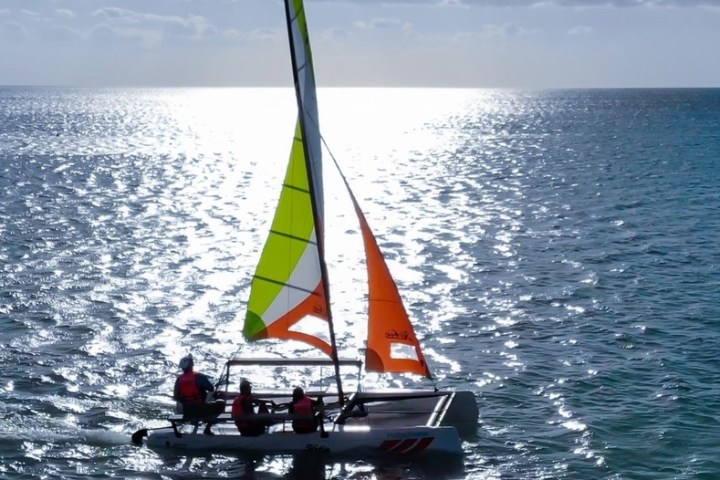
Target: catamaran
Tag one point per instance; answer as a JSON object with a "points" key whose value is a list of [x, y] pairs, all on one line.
{"points": [[290, 284]]}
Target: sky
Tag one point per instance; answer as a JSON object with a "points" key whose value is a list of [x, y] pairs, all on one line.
{"points": [[418, 43]]}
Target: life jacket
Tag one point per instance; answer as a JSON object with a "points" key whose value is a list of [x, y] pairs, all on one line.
{"points": [[189, 391], [237, 409], [304, 406]]}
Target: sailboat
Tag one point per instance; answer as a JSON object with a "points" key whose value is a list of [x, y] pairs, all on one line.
{"points": [[291, 284]]}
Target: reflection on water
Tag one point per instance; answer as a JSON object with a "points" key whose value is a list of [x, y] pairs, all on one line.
{"points": [[307, 466]]}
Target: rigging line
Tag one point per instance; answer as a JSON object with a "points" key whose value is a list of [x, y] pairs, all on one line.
{"points": [[327, 147], [347, 185]]}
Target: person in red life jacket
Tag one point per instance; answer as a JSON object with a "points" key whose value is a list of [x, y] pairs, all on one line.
{"points": [[302, 404], [191, 392], [244, 404]]}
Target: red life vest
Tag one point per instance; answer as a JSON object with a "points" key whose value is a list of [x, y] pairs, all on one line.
{"points": [[189, 391], [303, 406], [237, 409]]}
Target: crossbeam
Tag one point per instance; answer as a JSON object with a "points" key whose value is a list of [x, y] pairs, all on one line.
{"points": [[300, 362]]}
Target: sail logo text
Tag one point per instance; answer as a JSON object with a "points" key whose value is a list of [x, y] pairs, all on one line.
{"points": [[394, 334]]}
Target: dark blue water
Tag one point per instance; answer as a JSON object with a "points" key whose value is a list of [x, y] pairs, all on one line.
{"points": [[557, 250]]}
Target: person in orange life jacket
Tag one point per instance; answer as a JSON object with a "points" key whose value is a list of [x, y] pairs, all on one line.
{"points": [[244, 405], [302, 404], [191, 391]]}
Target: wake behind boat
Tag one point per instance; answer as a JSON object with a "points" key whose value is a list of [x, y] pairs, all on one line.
{"points": [[290, 292]]}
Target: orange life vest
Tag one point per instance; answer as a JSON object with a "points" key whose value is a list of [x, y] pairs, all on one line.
{"points": [[237, 409], [189, 391], [303, 406]]}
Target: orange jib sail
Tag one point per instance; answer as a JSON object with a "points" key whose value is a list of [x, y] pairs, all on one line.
{"points": [[388, 322]]}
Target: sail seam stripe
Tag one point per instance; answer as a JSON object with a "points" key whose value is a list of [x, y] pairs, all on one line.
{"points": [[293, 237], [296, 188], [284, 284]]}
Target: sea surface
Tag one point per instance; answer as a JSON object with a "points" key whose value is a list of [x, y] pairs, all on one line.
{"points": [[558, 252]]}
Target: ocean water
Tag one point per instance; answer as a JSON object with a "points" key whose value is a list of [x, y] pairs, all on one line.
{"points": [[557, 251]]}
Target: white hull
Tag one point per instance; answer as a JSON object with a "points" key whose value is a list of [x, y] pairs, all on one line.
{"points": [[341, 440], [431, 408]]}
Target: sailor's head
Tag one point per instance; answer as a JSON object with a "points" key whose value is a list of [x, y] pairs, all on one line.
{"points": [[186, 363], [245, 386], [298, 393]]}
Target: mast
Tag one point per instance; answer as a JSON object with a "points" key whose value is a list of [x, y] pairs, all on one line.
{"points": [[297, 11]]}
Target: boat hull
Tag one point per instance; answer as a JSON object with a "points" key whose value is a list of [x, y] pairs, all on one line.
{"points": [[340, 440], [431, 408]]}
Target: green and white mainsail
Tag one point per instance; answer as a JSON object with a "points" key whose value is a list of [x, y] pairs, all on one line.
{"points": [[290, 282]]}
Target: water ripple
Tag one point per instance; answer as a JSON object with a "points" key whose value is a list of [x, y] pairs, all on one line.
{"points": [[557, 251]]}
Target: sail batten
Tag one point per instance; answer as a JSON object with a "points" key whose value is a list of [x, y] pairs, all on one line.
{"points": [[292, 237], [296, 188], [284, 284]]}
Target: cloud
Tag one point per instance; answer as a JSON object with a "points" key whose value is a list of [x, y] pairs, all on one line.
{"points": [[116, 14], [60, 34], [65, 13], [110, 34], [192, 25], [268, 34], [382, 24], [332, 34], [581, 30], [457, 3], [104, 33], [506, 30], [13, 31], [120, 18], [385, 23], [231, 34]]}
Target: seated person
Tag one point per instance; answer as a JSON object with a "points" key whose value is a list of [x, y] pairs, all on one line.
{"points": [[302, 404], [191, 390], [244, 405]]}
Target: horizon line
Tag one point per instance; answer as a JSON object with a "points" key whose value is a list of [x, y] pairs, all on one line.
{"points": [[424, 87]]}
